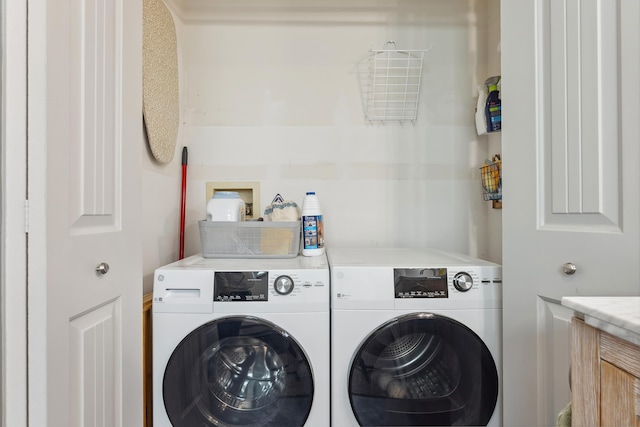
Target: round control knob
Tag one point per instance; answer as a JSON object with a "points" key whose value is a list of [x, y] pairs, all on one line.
{"points": [[283, 285], [463, 281]]}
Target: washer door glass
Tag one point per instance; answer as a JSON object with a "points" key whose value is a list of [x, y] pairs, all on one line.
{"points": [[238, 371], [423, 369]]}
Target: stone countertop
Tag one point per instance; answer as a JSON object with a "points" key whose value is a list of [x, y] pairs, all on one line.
{"points": [[619, 316]]}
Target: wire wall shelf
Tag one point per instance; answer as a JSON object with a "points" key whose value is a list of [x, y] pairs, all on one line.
{"points": [[392, 89], [491, 177]]}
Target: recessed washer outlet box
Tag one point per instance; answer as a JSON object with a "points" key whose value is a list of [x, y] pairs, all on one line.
{"points": [[249, 191]]}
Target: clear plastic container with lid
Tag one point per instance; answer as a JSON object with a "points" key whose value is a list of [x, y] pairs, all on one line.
{"points": [[312, 228]]}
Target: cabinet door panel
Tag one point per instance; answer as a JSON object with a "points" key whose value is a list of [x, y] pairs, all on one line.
{"points": [[585, 374], [618, 404]]}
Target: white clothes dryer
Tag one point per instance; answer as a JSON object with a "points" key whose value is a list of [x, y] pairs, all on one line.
{"points": [[241, 342], [415, 338]]}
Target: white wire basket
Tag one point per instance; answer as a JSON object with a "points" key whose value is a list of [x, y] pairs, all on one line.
{"points": [[392, 89]]}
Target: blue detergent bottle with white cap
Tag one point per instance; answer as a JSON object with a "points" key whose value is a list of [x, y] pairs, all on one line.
{"points": [[312, 226]]}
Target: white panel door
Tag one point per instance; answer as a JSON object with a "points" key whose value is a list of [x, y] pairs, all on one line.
{"points": [[571, 184], [85, 263], [13, 240]]}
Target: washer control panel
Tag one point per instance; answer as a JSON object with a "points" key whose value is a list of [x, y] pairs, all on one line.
{"points": [[258, 286], [241, 286]]}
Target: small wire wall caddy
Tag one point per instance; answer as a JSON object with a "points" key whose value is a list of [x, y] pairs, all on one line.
{"points": [[491, 177], [392, 89]]}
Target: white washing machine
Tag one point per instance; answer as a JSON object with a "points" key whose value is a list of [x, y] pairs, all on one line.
{"points": [[415, 338], [241, 342]]}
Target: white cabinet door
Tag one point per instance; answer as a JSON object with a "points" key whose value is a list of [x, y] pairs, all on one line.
{"points": [[571, 186], [85, 134]]}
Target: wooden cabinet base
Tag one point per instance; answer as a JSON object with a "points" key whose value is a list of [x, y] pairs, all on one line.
{"points": [[605, 377], [146, 362]]}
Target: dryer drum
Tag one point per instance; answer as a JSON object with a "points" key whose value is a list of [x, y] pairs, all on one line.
{"points": [[422, 369], [409, 354], [425, 368]]}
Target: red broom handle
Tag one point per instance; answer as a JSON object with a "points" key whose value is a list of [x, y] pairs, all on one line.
{"points": [[184, 200]]}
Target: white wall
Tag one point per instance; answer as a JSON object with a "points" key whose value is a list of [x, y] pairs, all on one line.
{"points": [[270, 92], [161, 195], [494, 216]]}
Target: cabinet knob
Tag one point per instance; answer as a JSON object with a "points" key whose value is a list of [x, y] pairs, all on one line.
{"points": [[103, 268], [569, 268]]}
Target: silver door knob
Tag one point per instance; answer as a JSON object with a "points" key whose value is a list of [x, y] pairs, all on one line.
{"points": [[103, 268], [568, 268]]}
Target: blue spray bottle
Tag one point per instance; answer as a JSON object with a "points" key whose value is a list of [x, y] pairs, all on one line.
{"points": [[493, 106]]}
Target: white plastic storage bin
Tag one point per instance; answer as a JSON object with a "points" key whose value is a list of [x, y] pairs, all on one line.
{"points": [[250, 239]]}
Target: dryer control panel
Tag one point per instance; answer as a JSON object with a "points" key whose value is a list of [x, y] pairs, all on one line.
{"points": [[420, 282], [377, 288], [412, 279]]}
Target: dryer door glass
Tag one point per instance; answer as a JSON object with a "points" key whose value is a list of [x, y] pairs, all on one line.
{"points": [[238, 371], [423, 369]]}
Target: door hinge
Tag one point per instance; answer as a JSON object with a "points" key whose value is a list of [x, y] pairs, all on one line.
{"points": [[26, 216]]}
